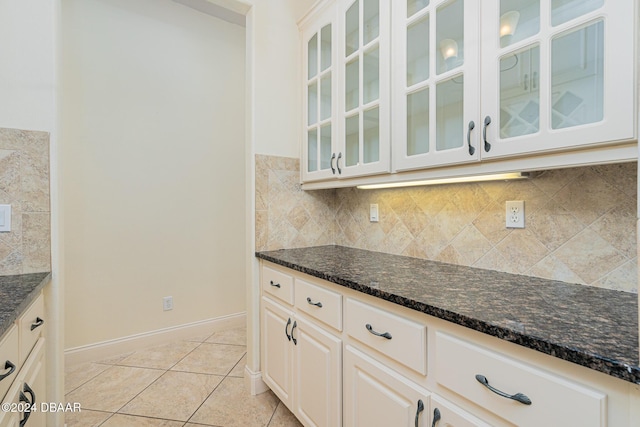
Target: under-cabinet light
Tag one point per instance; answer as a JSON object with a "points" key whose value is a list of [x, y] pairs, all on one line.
{"points": [[473, 178]]}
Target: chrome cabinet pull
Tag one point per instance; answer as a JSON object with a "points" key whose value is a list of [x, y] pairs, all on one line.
{"points": [[519, 397], [11, 367], [436, 417], [275, 285], [317, 304], [472, 149], [39, 322], [286, 329], [295, 325], [386, 335], [487, 145], [418, 411]]}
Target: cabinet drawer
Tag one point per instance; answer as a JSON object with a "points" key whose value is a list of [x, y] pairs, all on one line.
{"points": [[31, 327], [9, 365], [405, 341], [277, 284], [553, 399], [321, 303]]}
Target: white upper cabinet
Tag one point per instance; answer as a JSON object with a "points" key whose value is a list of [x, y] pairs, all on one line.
{"points": [[556, 74], [436, 82]]}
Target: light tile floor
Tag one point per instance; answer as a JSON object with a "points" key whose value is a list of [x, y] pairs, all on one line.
{"points": [[196, 382]]}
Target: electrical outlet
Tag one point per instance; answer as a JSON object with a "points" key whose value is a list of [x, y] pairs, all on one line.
{"points": [[167, 303], [515, 214]]}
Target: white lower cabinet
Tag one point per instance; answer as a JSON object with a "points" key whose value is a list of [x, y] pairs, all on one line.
{"points": [[376, 396], [302, 364], [446, 414]]}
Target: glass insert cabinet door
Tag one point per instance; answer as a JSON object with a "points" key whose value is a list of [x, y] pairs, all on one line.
{"points": [[436, 87], [556, 74], [364, 100], [319, 79]]}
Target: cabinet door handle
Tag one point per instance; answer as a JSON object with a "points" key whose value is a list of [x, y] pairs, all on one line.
{"points": [[472, 149], [436, 417], [338, 163], [386, 335], [519, 397], [286, 329], [487, 122], [317, 304], [333, 157], [11, 367], [275, 285], [526, 82], [295, 325], [39, 322], [418, 411], [23, 398]]}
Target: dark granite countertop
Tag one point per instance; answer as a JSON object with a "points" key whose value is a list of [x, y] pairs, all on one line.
{"points": [[16, 293], [593, 327]]}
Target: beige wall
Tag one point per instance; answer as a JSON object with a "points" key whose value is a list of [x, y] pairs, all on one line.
{"points": [[152, 167], [580, 222], [24, 184]]}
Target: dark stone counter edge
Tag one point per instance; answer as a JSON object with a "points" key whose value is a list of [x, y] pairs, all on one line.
{"points": [[593, 361], [24, 304]]}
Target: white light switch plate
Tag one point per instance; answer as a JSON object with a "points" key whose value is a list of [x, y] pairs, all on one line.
{"points": [[373, 212], [5, 218]]}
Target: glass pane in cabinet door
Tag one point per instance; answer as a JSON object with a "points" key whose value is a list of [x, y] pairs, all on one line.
{"points": [[351, 86], [312, 58], [352, 140], [371, 76], [418, 51], [577, 77], [352, 30], [371, 21], [418, 122], [415, 6], [450, 36], [519, 19], [312, 150], [566, 10], [449, 114], [325, 97], [371, 136], [325, 47], [312, 103], [325, 147], [520, 93]]}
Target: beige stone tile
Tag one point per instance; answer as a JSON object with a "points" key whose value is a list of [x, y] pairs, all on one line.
{"points": [[75, 376], [216, 359], [298, 216], [618, 227], [553, 225], [174, 396], [412, 217], [120, 420], [471, 245], [34, 181], [552, 181], [114, 360], [238, 370], [10, 172], [521, 250], [491, 223], [10, 259], [284, 418], [160, 357], [36, 242], [494, 260], [113, 388], [624, 278], [12, 238], [397, 240], [85, 418], [623, 176], [552, 268], [589, 256], [231, 405], [234, 336], [450, 256]]}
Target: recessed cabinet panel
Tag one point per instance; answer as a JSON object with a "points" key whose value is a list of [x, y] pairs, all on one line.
{"points": [[9, 364], [320, 303], [446, 414], [276, 354], [277, 284]]}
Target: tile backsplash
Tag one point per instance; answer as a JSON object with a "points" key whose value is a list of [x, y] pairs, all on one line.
{"points": [[580, 222], [24, 184]]}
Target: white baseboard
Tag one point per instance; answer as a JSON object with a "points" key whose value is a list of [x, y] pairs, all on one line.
{"points": [[253, 381], [106, 349]]}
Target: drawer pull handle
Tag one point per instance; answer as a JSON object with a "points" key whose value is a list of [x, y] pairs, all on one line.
{"points": [[436, 417], [487, 145], [295, 325], [519, 397], [333, 157], [317, 304], [418, 411], [39, 322], [275, 285], [386, 335], [286, 329], [472, 149], [11, 367], [23, 398]]}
